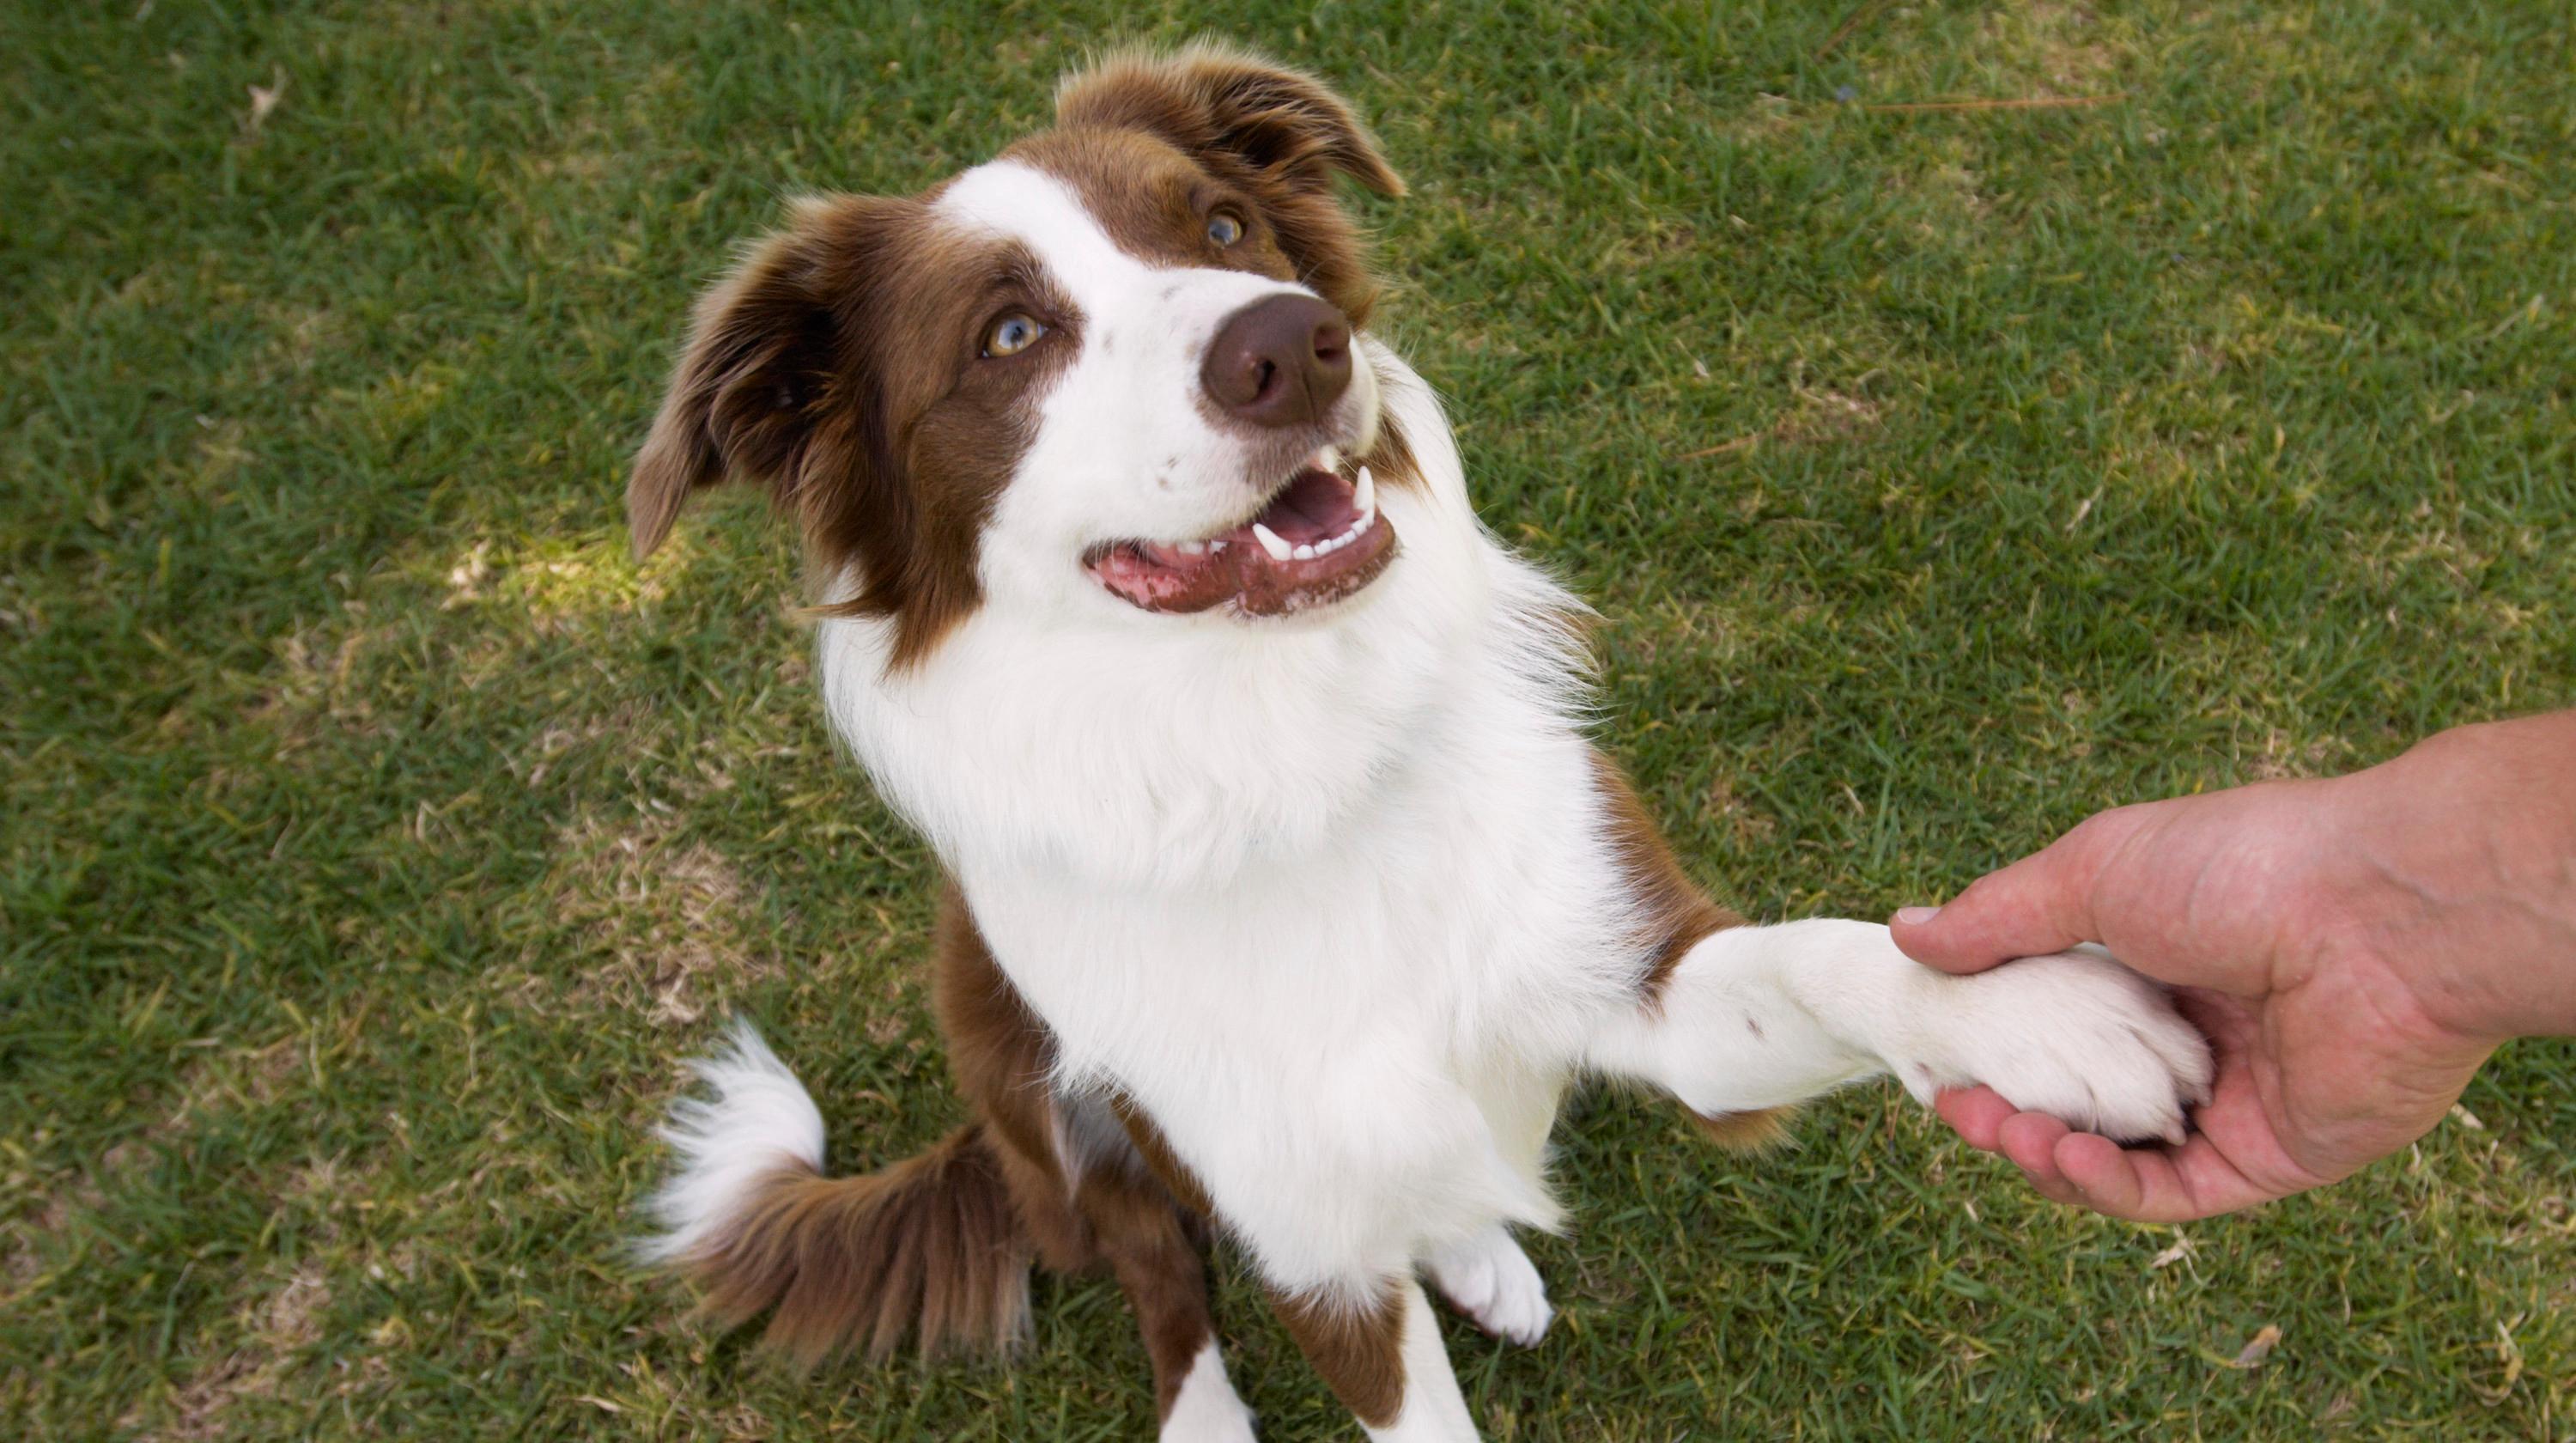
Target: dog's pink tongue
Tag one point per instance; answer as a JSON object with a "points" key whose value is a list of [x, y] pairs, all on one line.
{"points": [[1316, 506]]}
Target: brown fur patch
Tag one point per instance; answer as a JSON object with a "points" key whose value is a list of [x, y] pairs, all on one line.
{"points": [[1000, 1055], [1390, 458], [1154, 200], [1359, 1351], [1260, 130], [840, 364], [1678, 917]]}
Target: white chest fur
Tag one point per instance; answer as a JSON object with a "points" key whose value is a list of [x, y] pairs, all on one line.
{"points": [[1330, 901]]}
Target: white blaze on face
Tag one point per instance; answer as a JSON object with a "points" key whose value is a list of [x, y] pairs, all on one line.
{"points": [[1124, 443]]}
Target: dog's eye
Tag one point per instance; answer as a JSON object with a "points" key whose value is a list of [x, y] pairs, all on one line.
{"points": [[1224, 229], [1013, 334]]}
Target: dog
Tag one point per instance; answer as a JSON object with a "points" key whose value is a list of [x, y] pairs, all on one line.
{"points": [[1286, 895]]}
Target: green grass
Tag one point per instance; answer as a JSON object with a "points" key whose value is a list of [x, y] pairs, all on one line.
{"points": [[375, 837]]}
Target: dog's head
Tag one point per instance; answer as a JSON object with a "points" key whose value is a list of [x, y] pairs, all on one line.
{"points": [[1113, 372]]}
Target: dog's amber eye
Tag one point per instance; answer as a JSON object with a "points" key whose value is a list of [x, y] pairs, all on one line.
{"points": [[1013, 334], [1224, 229]]}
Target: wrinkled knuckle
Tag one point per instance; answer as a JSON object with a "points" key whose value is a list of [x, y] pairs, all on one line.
{"points": [[1983, 890]]}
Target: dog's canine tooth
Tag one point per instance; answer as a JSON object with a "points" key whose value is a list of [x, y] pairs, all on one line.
{"points": [[1365, 497], [1279, 550]]}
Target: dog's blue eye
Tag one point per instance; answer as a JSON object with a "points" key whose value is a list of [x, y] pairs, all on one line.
{"points": [[1224, 229], [1013, 334]]}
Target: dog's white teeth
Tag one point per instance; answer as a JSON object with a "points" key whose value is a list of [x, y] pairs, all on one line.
{"points": [[1194, 548], [1365, 496], [1279, 550], [1304, 553]]}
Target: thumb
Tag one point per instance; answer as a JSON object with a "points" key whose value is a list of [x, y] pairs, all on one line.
{"points": [[2040, 904]]}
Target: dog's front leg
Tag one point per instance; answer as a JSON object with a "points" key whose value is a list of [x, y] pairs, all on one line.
{"points": [[1378, 1348], [1760, 1017]]}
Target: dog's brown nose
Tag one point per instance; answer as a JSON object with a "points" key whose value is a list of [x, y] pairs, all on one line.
{"points": [[1279, 361]]}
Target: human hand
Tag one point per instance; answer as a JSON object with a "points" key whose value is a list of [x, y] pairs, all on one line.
{"points": [[2353, 948]]}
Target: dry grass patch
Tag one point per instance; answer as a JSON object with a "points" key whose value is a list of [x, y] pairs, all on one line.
{"points": [[316, 687], [674, 920], [1814, 415], [2066, 44], [270, 1332]]}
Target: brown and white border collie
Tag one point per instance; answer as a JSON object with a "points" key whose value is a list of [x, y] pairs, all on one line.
{"points": [[1287, 896]]}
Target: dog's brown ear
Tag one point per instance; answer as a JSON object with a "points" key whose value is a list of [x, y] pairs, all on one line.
{"points": [[1213, 100], [760, 363]]}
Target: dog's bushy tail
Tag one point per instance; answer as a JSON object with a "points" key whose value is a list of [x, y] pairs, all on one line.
{"points": [[930, 1246]]}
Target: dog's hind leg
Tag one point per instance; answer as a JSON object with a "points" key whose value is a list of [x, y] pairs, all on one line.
{"points": [[1370, 1334], [1083, 1189], [1378, 1348], [1157, 1253]]}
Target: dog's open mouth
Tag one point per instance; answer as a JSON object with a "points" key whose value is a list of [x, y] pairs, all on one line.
{"points": [[1318, 539]]}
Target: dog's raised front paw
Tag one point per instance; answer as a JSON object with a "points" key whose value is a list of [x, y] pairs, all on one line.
{"points": [[2075, 1035]]}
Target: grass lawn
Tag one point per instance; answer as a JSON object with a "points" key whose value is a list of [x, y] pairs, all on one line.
{"points": [[375, 837]]}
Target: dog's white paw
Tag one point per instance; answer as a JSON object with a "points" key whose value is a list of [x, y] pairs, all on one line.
{"points": [[1206, 1409], [2075, 1035], [1493, 1282]]}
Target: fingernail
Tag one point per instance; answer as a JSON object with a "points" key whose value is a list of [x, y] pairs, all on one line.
{"points": [[1916, 916]]}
